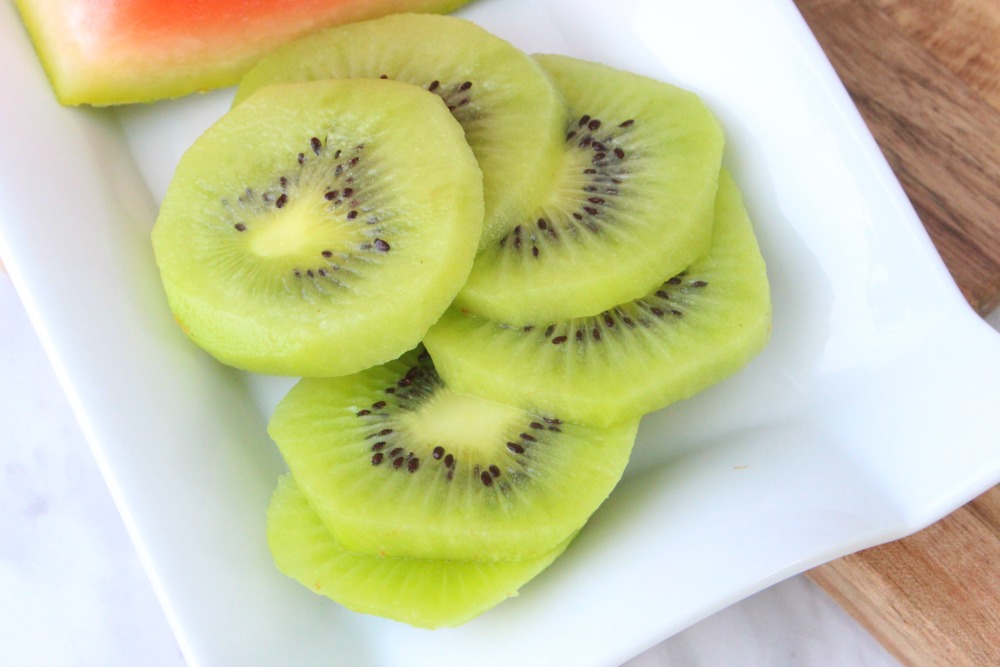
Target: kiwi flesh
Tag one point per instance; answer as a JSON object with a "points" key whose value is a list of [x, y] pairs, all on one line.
{"points": [[423, 593], [398, 465], [512, 115], [320, 227], [632, 204], [689, 332]]}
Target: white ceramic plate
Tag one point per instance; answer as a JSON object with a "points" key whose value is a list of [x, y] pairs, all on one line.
{"points": [[862, 421]]}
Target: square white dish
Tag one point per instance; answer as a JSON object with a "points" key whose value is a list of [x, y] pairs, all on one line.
{"points": [[862, 421]]}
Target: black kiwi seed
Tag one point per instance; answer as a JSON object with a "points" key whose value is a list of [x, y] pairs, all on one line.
{"points": [[645, 312], [608, 166], [416, 384], [325, 167]]}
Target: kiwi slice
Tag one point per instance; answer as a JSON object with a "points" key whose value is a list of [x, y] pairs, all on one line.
{"points": [[684, 335], [512, 115], [321, 227], [423, 593], [632, 203], [397, 464]]}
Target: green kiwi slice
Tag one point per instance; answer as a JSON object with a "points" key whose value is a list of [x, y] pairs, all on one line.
{"points": [[397, 464], [687, 333], [321, 227], [632, 202], [423, 593], [512, 115]]}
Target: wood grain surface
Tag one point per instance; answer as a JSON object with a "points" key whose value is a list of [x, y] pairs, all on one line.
{"points": [[925, 75]]}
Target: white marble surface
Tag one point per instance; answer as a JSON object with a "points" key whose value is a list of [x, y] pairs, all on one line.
{"points": [[73, 593]]}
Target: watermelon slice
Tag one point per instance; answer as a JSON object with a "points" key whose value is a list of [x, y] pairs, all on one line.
{"points": [[116, 51]]}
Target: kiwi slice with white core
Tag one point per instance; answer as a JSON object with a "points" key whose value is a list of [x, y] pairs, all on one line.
{"points": [[512, 115], [632, 203], [320, 228], [396, 464], [422, 593], [691, 331]]}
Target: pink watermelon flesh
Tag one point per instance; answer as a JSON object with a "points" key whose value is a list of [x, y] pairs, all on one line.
{"points": [[117, 51]]}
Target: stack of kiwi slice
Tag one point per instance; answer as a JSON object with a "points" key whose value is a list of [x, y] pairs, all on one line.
{"points": [[485, 267]]}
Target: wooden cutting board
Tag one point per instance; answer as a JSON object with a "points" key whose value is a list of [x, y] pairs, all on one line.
{"points": [[925, 75]]}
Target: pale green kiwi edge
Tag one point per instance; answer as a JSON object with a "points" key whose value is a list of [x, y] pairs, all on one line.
{"points": [[722, 320], [437, 213], [514, 123], [423, 593]]}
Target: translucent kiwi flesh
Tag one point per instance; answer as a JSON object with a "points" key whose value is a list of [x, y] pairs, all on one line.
{"points": [[396, 464], [422, 593], [319, 228], [632, 203], [511, 114], [691, 331]]}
